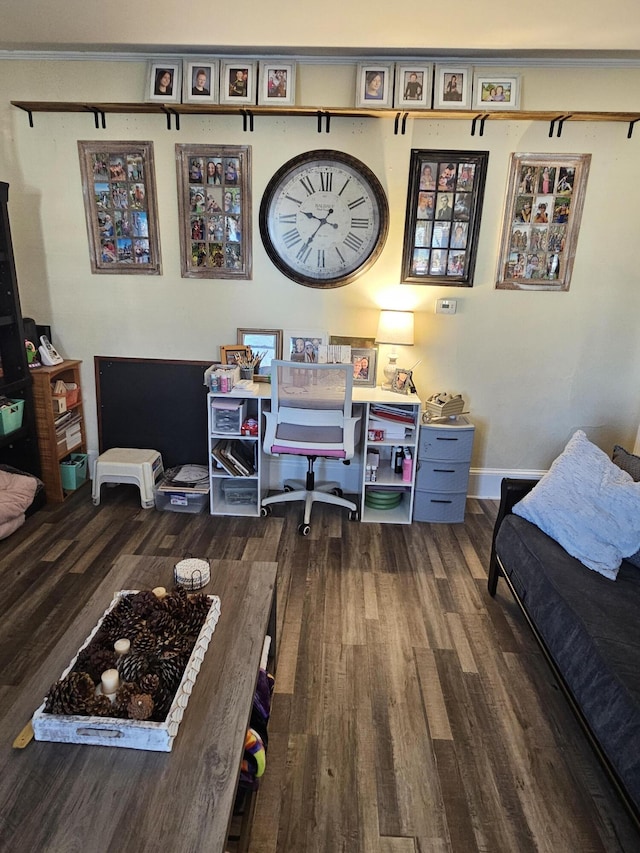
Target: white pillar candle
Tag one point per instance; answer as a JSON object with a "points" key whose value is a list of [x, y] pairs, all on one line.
{"points": [[122, 647], [159, 591], [110, 681]]}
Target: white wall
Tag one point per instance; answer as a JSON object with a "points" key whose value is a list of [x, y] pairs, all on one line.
{"points": [[532, 366]]}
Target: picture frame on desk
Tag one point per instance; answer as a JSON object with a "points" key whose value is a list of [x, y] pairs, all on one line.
{"points": [[359, 349], [402, 382], [229, 353], [268, 341], [302, 345]]}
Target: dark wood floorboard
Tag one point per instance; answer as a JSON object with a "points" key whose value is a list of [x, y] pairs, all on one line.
{"points": [[412, 713]]}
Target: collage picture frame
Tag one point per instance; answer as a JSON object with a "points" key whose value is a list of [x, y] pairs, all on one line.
{"points": [[442, 221], [214, 204], [545, 198], [119, 189]]}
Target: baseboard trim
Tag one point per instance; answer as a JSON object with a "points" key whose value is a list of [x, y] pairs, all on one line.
{"points": [[484, 483]]}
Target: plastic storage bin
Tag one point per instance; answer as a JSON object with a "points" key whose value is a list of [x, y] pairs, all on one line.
{"points": [[176, 501], [238, 491], [11, 417], [73, 471]]}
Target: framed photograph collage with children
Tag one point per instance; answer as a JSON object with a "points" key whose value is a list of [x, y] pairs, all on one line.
{"points": [[118, 184], [442, 222], [214, 203], [545, 197]]}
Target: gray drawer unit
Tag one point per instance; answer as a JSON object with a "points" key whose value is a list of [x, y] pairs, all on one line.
{"points": [[444, 459]]}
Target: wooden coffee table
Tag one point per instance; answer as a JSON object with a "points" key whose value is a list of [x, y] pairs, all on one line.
{"points": [[56, 796]]}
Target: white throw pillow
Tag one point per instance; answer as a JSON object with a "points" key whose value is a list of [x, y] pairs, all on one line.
{"points": [[587, 504]]}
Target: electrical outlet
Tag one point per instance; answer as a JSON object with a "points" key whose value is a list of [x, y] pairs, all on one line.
{"points": [[446, 306]]}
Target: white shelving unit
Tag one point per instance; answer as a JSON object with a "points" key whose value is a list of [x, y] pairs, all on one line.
{"points": [[386, 478], [229, 494]]}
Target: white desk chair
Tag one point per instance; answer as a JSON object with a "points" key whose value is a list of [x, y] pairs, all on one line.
{"points": [[311, 416]]}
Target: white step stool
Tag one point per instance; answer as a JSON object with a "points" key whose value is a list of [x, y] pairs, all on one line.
{"points": [[142, 468]]}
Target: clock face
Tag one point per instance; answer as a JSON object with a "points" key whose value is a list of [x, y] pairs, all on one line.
{"points": [[324, 218]]}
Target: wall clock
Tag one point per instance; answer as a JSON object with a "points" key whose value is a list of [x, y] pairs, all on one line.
{"points": [[324, 218]]}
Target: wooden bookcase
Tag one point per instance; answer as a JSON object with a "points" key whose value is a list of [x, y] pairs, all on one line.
{"points": [[53, 445]]}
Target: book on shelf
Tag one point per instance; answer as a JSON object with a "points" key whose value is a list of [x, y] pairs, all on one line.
{"points": [[393, 413], [232, 456]]}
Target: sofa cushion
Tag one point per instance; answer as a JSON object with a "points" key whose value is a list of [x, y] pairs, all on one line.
{"points": [[589, 505], [590, 627]]}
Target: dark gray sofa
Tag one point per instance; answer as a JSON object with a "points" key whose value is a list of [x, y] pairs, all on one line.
{"points": [[588, 627]]}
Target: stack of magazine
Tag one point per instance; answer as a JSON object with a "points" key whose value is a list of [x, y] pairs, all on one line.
{"points": [[236, 458]]}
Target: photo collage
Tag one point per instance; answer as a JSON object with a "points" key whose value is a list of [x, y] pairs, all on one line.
{"points": [[442, 221], [215, 207], [121, 205], [539, 224]]}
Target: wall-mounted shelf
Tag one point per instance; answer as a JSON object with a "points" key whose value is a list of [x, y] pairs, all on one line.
{"points": [[323, 115]]}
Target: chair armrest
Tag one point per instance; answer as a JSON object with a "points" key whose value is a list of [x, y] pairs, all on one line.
{"points": [[511, 491]]}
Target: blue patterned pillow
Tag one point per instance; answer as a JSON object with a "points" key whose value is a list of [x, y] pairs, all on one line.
{"points": [[588, 505]]}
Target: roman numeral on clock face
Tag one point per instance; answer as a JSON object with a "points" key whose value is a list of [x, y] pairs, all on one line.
{"points": [[320, 259], [287, 218], [291, 237], [356, 203], [359, 222], [303, 253], [326, 181], [306, 183], [353, 242]]}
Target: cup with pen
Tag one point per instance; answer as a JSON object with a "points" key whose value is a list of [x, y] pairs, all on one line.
{"points": [[249, 363]]}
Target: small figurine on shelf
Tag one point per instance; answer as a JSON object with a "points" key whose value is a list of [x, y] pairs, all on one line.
{"points": [[33, 359]]}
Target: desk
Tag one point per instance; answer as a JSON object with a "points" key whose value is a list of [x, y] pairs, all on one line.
{"points": [[271, 471], [57, 796]]}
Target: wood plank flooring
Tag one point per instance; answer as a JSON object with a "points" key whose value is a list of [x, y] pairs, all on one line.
{"points": [[412, 713]]}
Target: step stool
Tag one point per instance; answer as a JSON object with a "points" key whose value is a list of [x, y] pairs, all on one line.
{"points": [[142, 468]]}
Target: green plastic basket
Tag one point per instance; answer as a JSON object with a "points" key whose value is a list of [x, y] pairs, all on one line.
{"points": [[11, 417]]}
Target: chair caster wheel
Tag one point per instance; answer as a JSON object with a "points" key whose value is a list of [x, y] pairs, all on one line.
{"points": [[337, 492], [304, 529], [265, 511], [288, 488], [354, 515]]}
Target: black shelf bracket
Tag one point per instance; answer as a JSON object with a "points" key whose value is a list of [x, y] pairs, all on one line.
{"points": [[561, 120], [481, 117], [400, 124], [99, 118], [631, 125], [168, 113], [323, 114], [30, 114], [247, 120]]}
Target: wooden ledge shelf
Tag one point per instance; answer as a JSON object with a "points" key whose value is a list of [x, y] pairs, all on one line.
{"points": [[99, 110]]}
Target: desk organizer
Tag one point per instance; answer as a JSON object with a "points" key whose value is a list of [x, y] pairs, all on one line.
{"points": [[132, 734]]}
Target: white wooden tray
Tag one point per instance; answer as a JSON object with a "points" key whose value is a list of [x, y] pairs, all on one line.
{"points": [[133, 734]]}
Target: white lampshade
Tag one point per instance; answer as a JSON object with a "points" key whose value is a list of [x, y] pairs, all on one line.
{"points": [[395, 327]]}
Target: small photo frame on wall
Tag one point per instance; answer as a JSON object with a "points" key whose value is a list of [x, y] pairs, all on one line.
{"points": [[496, 92], [200, 80], [238, 81], [374, 85], [413, 86], [164, 81], [452, 87], [545, 197], [277, 83], [119, 188]]}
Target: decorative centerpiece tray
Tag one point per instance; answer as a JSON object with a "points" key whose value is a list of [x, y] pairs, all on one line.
{"points": [[103, 730]]}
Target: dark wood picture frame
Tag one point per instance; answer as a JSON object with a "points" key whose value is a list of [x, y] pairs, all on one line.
{"points": [[545, 198], [119, 189], [214, 204], [442, 222]]}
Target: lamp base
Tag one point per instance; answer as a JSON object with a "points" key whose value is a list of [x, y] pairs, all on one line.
{"points": [[389, 372]]}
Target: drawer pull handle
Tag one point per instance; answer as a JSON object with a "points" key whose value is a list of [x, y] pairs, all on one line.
{"points": [[444, 471], [446, 438], [440, 502]]}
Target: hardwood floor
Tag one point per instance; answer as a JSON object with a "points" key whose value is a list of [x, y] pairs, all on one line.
{"points": [[412, 713]]}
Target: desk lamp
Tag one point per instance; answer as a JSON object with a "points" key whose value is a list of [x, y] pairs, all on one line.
{"points": [[395, 328]]}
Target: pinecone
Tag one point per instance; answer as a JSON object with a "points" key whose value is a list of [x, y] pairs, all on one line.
{"points": [[170, 671], [102, 706], [133, 666], [74, 694], [150, 683], [192, 622], [160, 622], [140, 706], [95, 661], [144, 603], [126, 690], [202, 603], [144, 642], [162, 699], [130, 625]]}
